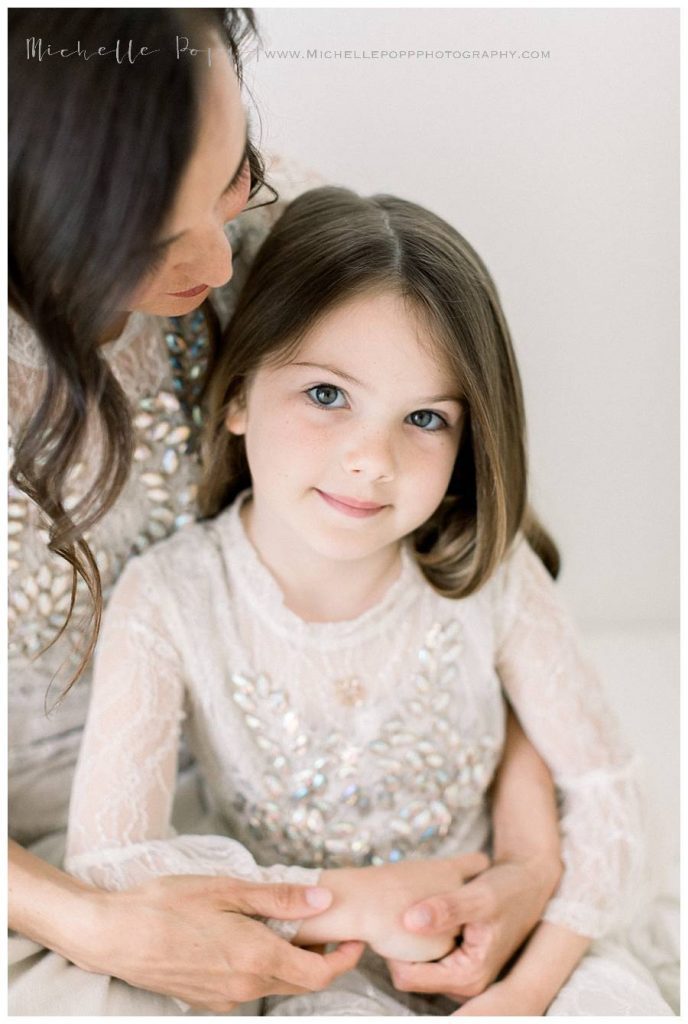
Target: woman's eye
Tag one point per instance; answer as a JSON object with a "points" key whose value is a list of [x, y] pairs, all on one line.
{"points": [[326, 395], [427, 420]]}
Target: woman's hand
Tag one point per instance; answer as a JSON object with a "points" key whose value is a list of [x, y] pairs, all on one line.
{"points": [[494, 913], [191, 937]]}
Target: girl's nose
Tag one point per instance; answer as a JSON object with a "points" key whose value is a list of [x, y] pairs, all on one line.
{"points": [[369, 455]]}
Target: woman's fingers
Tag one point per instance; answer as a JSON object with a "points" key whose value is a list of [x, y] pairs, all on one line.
{"points": [[471, 864], [408, 977], [311, 971], [280, 900], [344, 957], [446, 912], [456, 976], [316, 974]]}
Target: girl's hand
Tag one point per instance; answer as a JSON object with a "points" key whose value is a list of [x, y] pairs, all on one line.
{"points": [[369, 904], [503, 999], [495, 913], [191, 937]]}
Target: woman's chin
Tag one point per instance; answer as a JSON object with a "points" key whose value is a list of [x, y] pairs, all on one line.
{"points": [[170, 305]]}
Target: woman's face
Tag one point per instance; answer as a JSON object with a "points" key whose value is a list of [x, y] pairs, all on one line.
{"points": [[214, 189]]}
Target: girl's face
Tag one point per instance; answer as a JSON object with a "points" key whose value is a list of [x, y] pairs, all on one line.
{"points": [[351, 444], [214, 189]]}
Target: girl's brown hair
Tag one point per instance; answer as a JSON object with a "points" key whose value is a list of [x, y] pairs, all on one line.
{"points": [[330, 245]]}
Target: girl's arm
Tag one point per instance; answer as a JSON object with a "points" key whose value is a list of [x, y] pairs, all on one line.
{"points": [[169, 934], [119, 833], [496, 911]]}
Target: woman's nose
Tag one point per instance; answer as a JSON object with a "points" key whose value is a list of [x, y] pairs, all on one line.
{"points": [[369, 454], [212, 264]]}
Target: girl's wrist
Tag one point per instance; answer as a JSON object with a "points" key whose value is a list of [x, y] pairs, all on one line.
{"points": [[346, 918], [369, 903]]}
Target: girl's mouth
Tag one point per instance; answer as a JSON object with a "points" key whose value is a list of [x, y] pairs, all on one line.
{"points": [[351, 506]]}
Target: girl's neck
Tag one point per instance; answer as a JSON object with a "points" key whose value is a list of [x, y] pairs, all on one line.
{"points": [[316, 588]]}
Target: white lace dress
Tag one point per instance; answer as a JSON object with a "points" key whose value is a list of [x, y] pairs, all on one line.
{"points": [[350, 743]]}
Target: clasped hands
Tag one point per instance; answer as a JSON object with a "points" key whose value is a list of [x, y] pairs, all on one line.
{"points": [[196, 938], [492, 907], [493, 913]]}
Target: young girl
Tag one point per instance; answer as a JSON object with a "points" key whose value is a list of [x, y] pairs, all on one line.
{"points": [[339, 637]]}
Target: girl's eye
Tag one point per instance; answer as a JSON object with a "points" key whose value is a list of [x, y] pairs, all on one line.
{"points": [[326, 396], [427, 420]]}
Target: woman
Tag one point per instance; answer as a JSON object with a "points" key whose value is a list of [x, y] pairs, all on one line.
{"points": [[124, 170]]}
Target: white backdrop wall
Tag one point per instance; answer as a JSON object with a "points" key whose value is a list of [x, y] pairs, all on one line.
{"points": [[563, 173]]}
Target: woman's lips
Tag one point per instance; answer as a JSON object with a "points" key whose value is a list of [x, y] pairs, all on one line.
{"points": [[351, 506], [191, 292]]}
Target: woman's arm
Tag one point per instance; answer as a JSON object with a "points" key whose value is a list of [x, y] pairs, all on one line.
{"points": [[49, 906], [546, 963], [189, 938], [525, 821], [559, 700]]}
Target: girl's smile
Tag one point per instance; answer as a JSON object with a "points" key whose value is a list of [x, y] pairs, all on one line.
{"points": [[351, 506]]}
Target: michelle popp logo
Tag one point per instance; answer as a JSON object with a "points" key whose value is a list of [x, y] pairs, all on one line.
{"points": [[123, 52]]}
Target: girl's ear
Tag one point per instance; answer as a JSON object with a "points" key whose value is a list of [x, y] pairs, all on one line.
{"points": [[235, 420]]}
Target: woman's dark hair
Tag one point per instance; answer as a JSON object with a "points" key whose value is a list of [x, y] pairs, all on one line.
{"points": [[331, 245], [97, 150]]}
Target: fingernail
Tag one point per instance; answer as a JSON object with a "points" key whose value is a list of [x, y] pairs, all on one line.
{"points": [[418, 917], [318, 898]]}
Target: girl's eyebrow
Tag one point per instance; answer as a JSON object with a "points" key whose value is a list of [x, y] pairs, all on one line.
{"points": [[352, 380], [332, 369], [227, 188]]}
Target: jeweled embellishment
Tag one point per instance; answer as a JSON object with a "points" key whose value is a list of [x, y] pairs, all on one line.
{"points": [[350, 692], [166, 426], [318, 795]]}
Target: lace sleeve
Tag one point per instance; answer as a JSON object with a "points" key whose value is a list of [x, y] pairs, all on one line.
{"points": [[119, 832], [559, 701]]}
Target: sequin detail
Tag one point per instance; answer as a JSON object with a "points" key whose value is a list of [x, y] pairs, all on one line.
{"points": [[315, 807], [188, 346], [350, 692], [166, 426]]}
